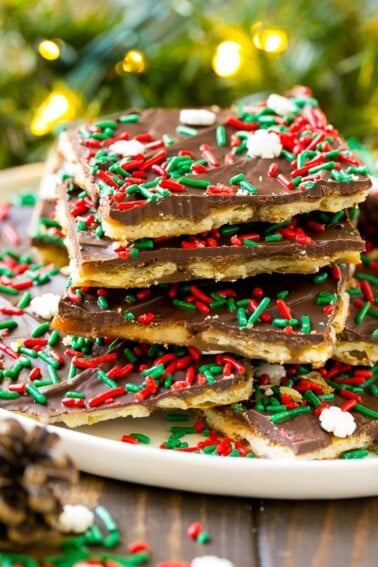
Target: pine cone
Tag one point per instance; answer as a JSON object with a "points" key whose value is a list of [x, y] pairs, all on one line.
{"points": [[29, 477]]}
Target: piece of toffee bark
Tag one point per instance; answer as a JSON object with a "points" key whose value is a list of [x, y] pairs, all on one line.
{"points": [[119, 379], [281, 419], [268, 162], [301, 245], [284, 318], [358, 342]]}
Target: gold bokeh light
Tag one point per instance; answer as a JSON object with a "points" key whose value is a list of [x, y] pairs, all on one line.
{"points": [[59, 105], [271, 40], [227, 58], [49, 49], [133, 62]]}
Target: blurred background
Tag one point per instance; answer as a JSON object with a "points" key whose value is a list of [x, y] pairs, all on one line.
{"points": [[61, 60]]}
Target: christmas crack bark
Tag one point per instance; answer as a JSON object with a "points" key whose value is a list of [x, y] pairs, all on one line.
{"points": [[358, 342], [296, 412], [286, 318], [268, 162], [301, 245], [109, 379]]}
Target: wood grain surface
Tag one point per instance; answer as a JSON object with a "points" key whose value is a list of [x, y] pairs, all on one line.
{"points": [[248, 532]]}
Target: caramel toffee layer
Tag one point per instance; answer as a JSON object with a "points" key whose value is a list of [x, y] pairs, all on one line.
{"points": [[301, 245], [208, 179], [358, 342], [292, 317], [281, 419], [120, 378]]}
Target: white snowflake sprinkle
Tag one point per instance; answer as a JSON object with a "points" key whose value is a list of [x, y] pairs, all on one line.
{"points": [[280, 104], [210, 561], [335, 420], [45, 306], [75, 519], [197, 117], [127, 148], [264, 144]]}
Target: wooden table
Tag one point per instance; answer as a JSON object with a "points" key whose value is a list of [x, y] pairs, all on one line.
{"points": [[248, 532]]}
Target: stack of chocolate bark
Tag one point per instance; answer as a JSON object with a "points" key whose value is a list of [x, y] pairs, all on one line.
{"points": [[206, 246]]}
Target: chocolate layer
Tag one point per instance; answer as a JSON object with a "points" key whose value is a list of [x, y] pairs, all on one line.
{"points": [[297, 313]]}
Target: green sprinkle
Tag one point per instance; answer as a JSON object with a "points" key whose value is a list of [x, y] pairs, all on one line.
{"points": [[247, 186], [312, 398], [305, 324], [141, 438], [133, 388], [355, 454], [362, 312], [320, 278], [11, 324], [131, 357], [280, 322], [177, 417], [273, 238], [42, 355], [53, 338], [282, 294], [278, 417], [154, 371], [73, 394], [99, 232], [27, 351], [375, 334], [40, 330], [203, 537], [36, 394], [200, 183], [325, 298], [106, 518], [167, 139], [106, 380], [183, 304], [371, 279], [366, 411], [220, 135], [7, 395], [185, 131], [8, 290], [102, 302], [258, 311], [236, 179], [241, 317], [105, 124], [129, 118]]}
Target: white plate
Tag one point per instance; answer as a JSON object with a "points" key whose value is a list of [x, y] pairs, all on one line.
{"points": [[97, 449]]}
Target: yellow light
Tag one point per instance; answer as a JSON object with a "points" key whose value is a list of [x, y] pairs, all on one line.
{"points": [[58, 106], [133, 62], [271, 40], [227, 59], [49, 50]]}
